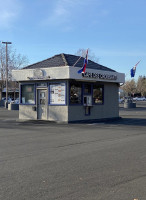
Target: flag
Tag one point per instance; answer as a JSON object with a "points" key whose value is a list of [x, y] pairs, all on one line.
{"points": [[133, 70], [83, 69]]}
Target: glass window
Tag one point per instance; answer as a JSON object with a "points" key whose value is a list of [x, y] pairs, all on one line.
{"points": [[75, 93], [27, 94], [97, 94], [42, 98], [42, 84], [87, 88]]}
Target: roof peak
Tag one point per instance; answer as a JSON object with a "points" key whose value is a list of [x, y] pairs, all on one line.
{"points": [[64, 59]]}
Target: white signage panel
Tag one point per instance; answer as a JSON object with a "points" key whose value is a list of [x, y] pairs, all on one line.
{"points": [[57, 94]]}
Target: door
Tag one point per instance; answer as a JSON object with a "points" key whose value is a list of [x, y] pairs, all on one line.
{"points": [[42, 102]]}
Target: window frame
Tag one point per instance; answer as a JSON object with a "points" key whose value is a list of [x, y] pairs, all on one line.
{"points": [[101, 86], [76, 104], [22, 84]]}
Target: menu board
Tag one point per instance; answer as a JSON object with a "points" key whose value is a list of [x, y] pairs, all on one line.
{"points": [[57, 94]]}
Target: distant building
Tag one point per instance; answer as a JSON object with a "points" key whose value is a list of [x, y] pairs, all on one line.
{"points": [[53, 90], [12, 93], [13, 89]]}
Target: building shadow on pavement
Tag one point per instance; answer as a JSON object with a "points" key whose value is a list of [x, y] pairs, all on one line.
{"points": [[129, 121]]}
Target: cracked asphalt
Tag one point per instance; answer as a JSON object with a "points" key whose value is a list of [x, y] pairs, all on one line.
{"points": [[49, 161]]}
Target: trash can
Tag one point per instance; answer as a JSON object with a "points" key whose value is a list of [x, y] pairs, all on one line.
{"points": [[13, 106], [129, 103]]}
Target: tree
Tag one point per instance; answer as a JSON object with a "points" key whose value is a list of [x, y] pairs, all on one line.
{"points": [[129, 87], [91, 55], [15, 61], [141, 85]]}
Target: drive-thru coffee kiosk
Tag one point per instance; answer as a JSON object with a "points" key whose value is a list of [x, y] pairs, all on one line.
{"points": [[53, 90]]}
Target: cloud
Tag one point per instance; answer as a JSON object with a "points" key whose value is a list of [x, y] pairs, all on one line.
{"points": [[9, 11], [59, 14], [65, 12]]}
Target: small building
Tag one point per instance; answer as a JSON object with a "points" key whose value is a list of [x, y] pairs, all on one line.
{"points": [[54, 90], [13, 93]]}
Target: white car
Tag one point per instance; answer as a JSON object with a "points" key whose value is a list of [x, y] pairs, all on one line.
{"points": [[121, 100], [9, 99], [135, 98], [16, 101], [139, 99]]}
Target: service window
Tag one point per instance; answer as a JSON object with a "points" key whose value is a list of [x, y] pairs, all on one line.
{"points": [[27, 94], [75, 93], [97, 94], [87, 88]]}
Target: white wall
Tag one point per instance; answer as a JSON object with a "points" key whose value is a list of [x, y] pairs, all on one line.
{"points": [[66, 72]]}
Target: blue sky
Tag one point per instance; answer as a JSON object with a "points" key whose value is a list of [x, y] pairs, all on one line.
{"points": [[114, 30]]}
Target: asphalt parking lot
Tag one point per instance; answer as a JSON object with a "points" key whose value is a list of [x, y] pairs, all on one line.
{"points": [[49, 161]]}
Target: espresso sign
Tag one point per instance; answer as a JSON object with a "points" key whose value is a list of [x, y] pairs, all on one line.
{"points": [[99, 76]]}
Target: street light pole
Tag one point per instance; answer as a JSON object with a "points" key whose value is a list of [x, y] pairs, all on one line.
{"points": [[6, 43]]}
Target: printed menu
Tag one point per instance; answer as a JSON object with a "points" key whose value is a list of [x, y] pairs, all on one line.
{"points": [[57, 93]]}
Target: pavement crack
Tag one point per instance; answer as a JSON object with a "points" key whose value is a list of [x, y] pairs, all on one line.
{"points": [[129, 180]]}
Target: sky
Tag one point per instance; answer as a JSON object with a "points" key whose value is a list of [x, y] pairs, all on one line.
{"points": [[114, 30]]}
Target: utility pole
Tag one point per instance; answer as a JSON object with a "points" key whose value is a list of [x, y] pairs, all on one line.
{"points": [[6, 43]]}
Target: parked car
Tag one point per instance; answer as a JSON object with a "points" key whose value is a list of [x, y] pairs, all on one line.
{"points": [[16, 101], [9, 99], [121, 100], [139, 99], [135, 98]]}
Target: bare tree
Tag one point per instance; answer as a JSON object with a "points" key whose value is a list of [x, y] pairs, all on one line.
{"points": [[129, 87], [15, 61], [91, 55], [141, 85], [135, 87]]}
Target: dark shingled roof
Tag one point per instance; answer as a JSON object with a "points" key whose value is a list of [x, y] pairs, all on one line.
{"points": [[66, 60]]}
